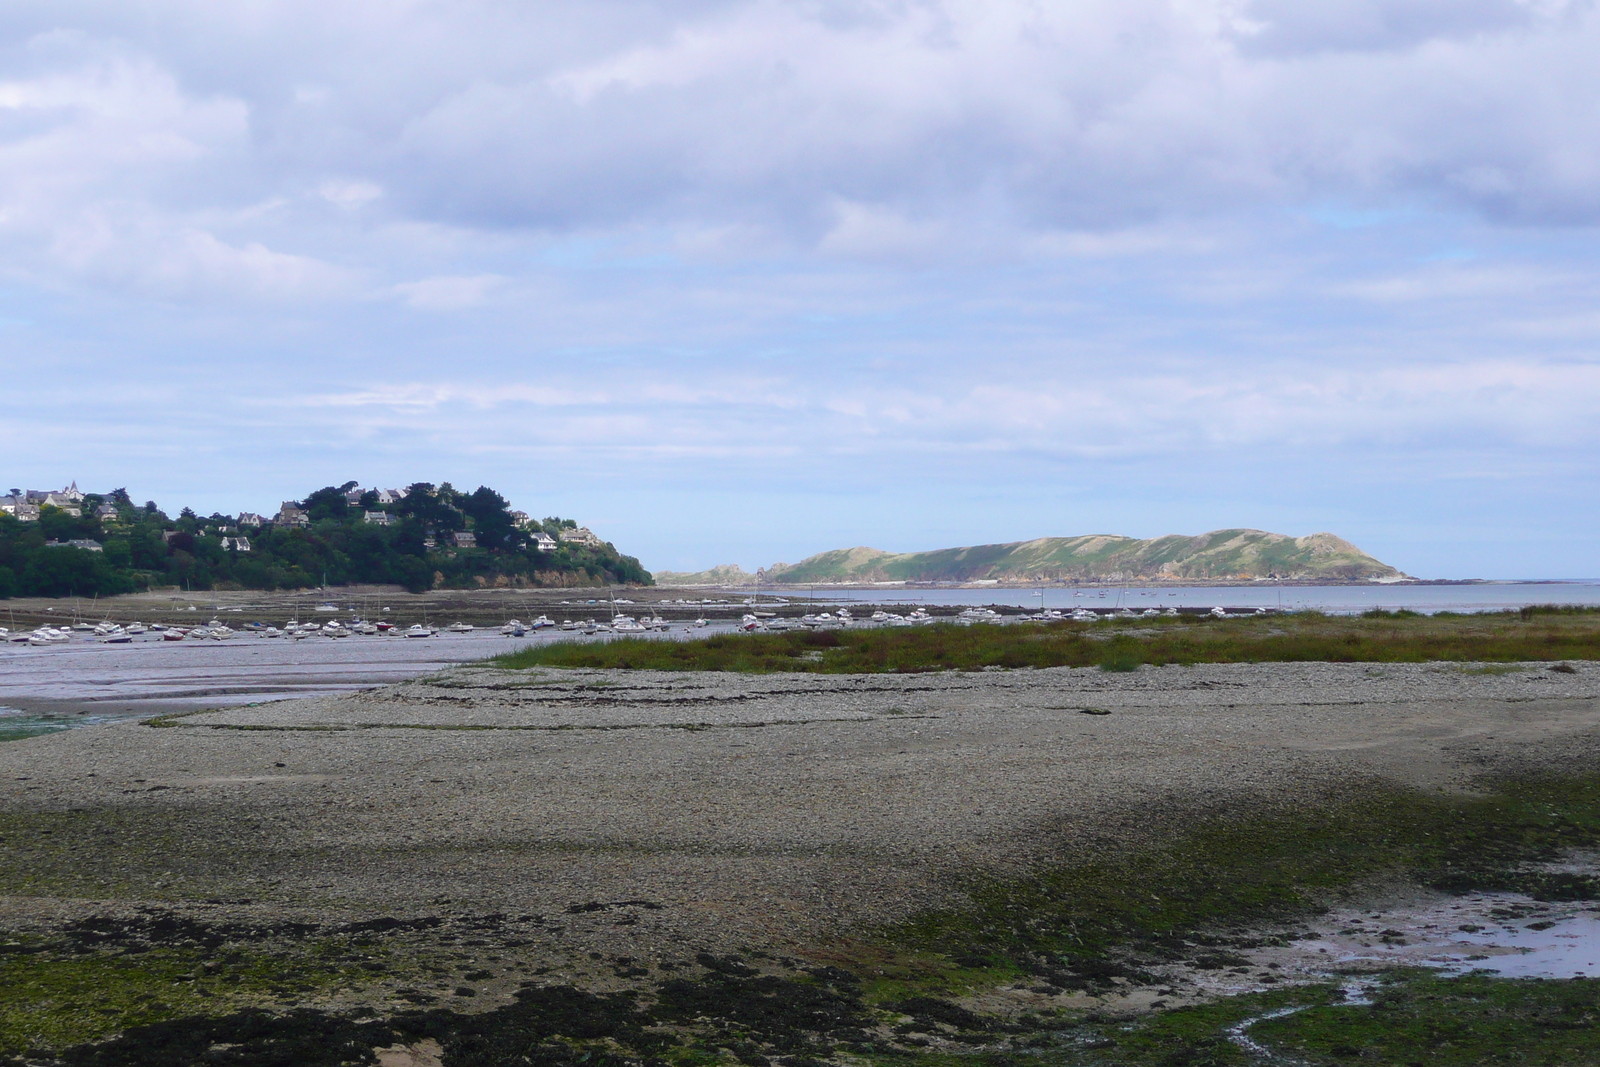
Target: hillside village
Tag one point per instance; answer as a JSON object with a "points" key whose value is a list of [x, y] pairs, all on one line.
{"points": [[421, 537]]}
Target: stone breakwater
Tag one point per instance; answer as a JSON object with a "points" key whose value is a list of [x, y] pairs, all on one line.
{"points": [[722, 810]]}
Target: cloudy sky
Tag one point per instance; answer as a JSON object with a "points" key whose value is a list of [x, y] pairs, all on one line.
{"points": [[742, 280]]}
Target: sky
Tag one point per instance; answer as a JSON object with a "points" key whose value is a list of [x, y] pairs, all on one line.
{"points": [[746, 280]]}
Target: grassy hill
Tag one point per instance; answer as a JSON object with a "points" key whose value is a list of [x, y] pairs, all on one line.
{"points": [[1220, 555]]}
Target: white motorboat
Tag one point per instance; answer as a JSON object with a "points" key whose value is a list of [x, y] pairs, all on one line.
{"points": [[271, 631], [626, 624], [541, 623], [514, 628], [459, 628], [122, 638], [700, 623], [418, 630]]}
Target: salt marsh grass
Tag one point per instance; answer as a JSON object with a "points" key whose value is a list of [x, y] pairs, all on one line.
{"points": [[1532, 635]]}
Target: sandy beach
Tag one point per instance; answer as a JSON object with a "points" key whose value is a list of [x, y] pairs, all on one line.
{"points": [[731, 810]]}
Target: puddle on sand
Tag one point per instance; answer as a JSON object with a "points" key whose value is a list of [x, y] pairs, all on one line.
{"points": [[1505, 933], [16, 724]]}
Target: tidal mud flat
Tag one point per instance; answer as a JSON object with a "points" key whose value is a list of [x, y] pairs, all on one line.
{"points": [[904, 864]]}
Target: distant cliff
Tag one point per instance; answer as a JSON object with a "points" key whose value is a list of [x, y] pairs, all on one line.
{"points": [[1220, 555]]}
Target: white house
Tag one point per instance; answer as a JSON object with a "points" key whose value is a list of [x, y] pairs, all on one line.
{"points": [[581, 536], [544, 542], [65, 501], [376, 518], [240, 544], [250, 518]]}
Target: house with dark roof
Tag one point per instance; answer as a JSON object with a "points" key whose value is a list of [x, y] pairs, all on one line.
{"points": [[291, 514]]}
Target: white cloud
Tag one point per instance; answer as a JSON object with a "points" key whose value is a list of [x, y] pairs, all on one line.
{"points": [[350, 194], [851, 128], [450, 293], [1448, 281]]}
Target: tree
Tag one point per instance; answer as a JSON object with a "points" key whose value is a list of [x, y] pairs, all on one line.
{"points": [[326, 503], [491, 519], [432, 507]]}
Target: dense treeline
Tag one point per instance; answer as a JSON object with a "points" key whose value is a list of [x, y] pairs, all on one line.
{"points": [[143, 548]]}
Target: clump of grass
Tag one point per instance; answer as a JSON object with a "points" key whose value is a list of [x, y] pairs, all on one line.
{"points": [[1122, 656], [1389, 637], [1416, 1016], [1533, 610], [1469, 1021]]}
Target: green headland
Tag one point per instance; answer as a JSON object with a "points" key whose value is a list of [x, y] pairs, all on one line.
{"points": [[1221, 555]]}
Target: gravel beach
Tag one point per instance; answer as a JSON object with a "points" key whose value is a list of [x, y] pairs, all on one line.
{"points": [[720, 810]]}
